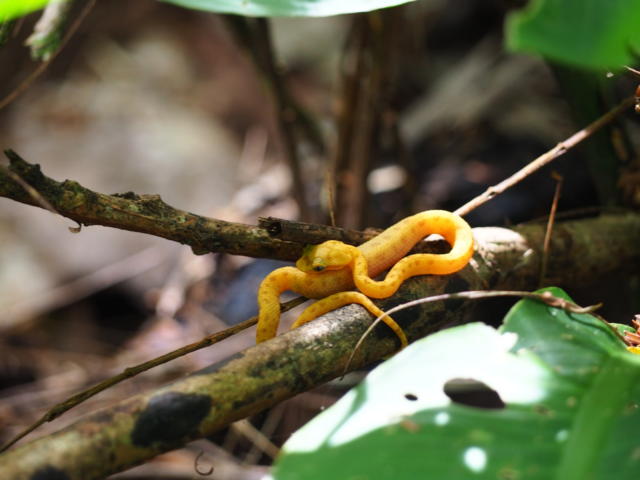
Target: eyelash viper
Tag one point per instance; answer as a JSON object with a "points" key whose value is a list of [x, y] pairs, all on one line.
{"points": [[326, 271]]}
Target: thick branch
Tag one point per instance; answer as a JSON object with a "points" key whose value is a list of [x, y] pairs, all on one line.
{"points": [[142, 213], [273, 238], [139, 428]]}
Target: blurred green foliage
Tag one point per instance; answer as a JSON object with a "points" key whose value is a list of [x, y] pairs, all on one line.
{"points": [[594, 34], [10, 9]]}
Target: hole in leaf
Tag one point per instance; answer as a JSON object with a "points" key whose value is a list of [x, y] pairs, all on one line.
{"points": [[472, 393], [411, 396]]}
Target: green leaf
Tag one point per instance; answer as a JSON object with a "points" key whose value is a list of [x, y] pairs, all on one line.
{"points": [[595, 34], [622, 329], [10, 9], [287, 8], [573, 345], [570, 410]]}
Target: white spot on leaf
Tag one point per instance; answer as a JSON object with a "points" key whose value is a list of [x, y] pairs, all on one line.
{"points": [[441, 418], [475, 458]]}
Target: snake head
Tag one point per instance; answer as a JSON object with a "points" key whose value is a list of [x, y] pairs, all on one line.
{"points": [[305, 262], [329, 255]]}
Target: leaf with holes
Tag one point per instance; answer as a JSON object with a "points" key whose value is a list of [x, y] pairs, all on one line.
{"points": [[287, 8], [549, 395]]}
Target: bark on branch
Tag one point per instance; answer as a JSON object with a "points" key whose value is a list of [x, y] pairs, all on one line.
{"points": [[141, 427], [141, 213], [273, 238]]}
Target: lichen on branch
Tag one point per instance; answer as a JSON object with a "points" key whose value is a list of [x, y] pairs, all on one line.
{"points": [[141, 213]]}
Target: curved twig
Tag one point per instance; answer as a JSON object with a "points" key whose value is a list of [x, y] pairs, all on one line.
{"points": [[546, 158], [545, 297], [129, 372]]}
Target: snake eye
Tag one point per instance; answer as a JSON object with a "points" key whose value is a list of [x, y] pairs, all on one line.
{"points": [[318, 268]]}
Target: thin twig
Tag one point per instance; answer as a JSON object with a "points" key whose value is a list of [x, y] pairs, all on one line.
{"points": [[285, 114], [255, 37], [363, 141], [577, 213], [33, 193], [545, 297], [268, 428], [48, 31], [552, 217], [26, 83], [259, 440], [636, 97], [352, 73], [330, 184], [557, 151], [129, 372]]}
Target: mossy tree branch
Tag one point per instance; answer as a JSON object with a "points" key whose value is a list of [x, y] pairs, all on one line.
{"points": [[143, 214], [272, 238], [139, 428]]}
